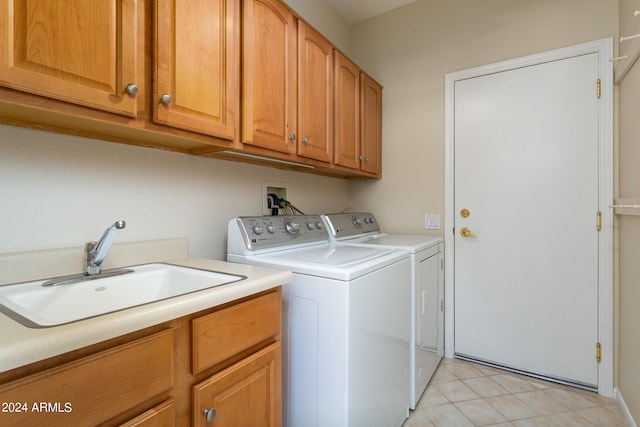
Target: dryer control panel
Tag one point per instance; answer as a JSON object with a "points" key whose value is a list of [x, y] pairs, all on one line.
{"points": [[351, 224], [260, 232]]}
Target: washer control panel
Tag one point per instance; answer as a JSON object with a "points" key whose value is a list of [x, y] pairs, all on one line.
{"points": [[351, 224], [270, 231]]}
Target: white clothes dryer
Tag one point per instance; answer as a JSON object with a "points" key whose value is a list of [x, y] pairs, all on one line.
{"points": [[345, 321], [427, 288]]}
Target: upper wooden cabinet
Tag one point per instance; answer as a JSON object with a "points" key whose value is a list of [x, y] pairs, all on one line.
{"points": [[78, 51], [269, 76], [357, 119], [347, 113], [315, 94], [234, 79], [197, 48], [370, 125]]}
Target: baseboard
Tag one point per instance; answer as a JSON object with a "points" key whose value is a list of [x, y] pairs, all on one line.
{"points": [[624, 408]]}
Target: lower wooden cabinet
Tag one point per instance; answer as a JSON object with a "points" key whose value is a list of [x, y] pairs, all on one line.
{"points": [[94, 389], [159, 416], [245, 394], [153, 378]]}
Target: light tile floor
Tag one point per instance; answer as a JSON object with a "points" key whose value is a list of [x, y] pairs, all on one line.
{"points": [[465, 394]]}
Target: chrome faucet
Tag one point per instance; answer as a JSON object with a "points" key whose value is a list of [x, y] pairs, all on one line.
{"points": [[97, 251]]}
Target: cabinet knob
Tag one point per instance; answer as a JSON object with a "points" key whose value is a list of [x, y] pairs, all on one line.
{"points": [[292, 137], [165, 98], [305, 140], [131, 89], [209, 414]]}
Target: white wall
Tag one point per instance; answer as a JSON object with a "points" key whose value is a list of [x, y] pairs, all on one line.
{"points": [[58, 190], [410, 50]]}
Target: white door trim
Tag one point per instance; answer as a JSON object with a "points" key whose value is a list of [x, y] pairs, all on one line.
{"points": [[604, 49]]}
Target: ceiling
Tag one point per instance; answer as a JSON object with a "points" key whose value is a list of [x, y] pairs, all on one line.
{"points": [[353, 11]]}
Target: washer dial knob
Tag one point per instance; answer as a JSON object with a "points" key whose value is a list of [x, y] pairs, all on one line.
{"points": [[258, 229], [292, 227]]}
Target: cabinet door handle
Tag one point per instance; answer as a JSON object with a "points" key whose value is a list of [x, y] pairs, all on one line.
{"points": [[210, 414], [292, 137], [131, 89], [305, 140], [165, 98]]}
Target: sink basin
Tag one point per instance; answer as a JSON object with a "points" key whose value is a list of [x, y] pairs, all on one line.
{"points": [[36, 305]]}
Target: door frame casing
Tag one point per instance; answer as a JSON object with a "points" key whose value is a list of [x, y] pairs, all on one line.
{"points": [[604, 49]]}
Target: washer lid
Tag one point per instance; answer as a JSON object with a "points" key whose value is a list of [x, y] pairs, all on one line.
{"points": [[340, 262], [331, 255]]}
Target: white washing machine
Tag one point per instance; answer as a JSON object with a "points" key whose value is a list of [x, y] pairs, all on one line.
{"points": [[427, 288], [345, 322]]}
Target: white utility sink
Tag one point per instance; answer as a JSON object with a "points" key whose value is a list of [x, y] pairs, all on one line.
{"points": [[36, 305]]}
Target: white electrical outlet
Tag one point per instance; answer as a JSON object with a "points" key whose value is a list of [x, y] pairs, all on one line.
{"points": [[432, 222]]}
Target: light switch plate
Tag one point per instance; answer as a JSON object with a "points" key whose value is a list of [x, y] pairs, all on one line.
{"points": [[432, 222]]}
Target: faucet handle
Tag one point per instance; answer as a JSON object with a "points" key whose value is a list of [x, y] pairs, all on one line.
{"points": [[91, 268]]}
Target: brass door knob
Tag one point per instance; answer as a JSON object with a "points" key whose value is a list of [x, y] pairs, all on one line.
{"points": [[465, 232]]}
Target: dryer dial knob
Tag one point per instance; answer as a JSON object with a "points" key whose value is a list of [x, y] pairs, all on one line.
{"points": [[357, 221], [319, 225], [258, 229], [271, 229], [310, 225]]}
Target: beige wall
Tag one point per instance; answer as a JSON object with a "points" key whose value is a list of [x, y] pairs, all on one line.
{"points": [[629, 226], [409, 50], [58, 191], [324, 19]]}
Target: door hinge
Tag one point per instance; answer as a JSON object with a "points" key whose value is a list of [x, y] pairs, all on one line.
{"points": [[599, 221], [598, 352], [599, 90]]}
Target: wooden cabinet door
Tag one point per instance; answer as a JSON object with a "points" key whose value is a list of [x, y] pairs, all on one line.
{"points": [[346, 112], [315, 94], [269, 76], [80, 51], [197, 65], [246, 394], [370, 125]]}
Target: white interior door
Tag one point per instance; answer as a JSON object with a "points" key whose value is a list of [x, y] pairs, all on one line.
{"points": [[526, 169]]}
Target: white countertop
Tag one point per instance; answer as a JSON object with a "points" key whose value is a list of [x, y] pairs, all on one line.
{"points": [[22, 345]]}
